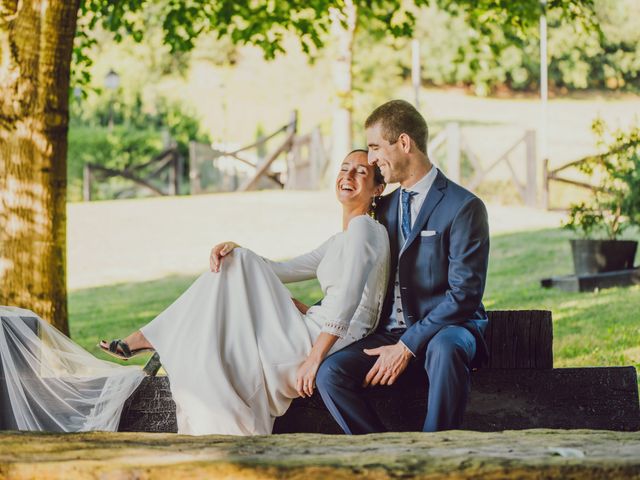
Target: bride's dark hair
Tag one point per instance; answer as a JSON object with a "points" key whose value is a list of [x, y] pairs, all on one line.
{"points": [[377, 174]]}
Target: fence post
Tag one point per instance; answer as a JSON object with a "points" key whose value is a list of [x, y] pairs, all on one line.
{"points": [[86, 183], [292, 152], [453, 151], [194, 169], [531, 187], [545, 184], [293, 122], [171, 187], [179, 170]]}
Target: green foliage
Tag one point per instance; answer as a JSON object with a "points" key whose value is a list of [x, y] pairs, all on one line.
{"points": [[265, 24], [599, 50], [137, 136], [588, 59], [118, 148], [594, 328], [586, 220], [615, 205]]}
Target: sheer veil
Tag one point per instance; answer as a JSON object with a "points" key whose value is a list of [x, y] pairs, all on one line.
{"points": [[49, 383]]}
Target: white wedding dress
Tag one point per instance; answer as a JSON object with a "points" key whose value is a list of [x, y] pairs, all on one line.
{"points": [[231, 344]]}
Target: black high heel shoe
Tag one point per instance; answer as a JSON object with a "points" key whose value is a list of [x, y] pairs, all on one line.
{"points": [[120, 349]]}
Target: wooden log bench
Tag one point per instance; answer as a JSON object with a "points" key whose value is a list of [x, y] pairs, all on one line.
{"points": [[517, 389]]}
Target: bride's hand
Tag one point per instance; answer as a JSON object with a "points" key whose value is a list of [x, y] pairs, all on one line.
{"points": [[300, 306], [306, 377], [218, 252]]}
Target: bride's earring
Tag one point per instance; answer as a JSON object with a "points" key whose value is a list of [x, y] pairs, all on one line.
{"points": [[372, 211]]}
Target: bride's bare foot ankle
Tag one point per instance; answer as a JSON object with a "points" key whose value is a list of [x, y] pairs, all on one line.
{"points": [[137, 340]]}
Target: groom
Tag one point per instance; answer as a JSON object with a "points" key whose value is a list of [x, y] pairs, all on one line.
{"points": [[432, 316]]}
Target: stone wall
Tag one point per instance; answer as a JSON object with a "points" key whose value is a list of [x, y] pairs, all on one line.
{"points": [[530, 454]]}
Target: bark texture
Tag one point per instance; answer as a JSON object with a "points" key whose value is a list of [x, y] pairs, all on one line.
{"points": [[36, 42]]}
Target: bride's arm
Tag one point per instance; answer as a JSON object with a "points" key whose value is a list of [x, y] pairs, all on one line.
{"points": [[306, 375], [300, 268], [359, 256]]}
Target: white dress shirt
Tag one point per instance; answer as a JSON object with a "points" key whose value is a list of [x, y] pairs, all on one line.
{"points": [[421, 187]]}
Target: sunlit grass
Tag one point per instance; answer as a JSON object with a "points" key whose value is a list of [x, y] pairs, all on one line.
{"points": [[599, 328], [595, 328]]}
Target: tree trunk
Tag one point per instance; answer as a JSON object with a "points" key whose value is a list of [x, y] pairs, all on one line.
{"points": [[343, 30], [36, 42]]}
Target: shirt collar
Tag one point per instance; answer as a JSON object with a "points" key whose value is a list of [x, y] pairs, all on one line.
{"points": [[423, 185]]}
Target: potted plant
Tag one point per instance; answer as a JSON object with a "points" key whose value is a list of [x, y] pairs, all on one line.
{"points": [[614, 207]]}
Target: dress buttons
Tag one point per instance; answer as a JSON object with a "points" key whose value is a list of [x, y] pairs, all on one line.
{"points": [[399, 310]]}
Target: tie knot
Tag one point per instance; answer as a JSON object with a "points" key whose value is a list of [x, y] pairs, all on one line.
{"points": [[407, 194]]}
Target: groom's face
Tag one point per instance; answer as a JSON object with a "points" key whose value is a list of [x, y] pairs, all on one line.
{"points": [[389, 156]]}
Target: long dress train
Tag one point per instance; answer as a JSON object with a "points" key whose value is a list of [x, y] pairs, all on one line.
{"points": [[49, 383]]}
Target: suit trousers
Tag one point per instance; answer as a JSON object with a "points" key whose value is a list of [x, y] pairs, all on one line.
{"points": [[446, 360]]}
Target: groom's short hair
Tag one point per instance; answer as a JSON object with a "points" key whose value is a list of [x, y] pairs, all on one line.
{"points": [[397, 117]]}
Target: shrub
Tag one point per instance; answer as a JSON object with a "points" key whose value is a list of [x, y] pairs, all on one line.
{"points": [[615, 205]]}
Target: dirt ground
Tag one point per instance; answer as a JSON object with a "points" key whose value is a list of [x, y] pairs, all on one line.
{"points": [[135, 240]]}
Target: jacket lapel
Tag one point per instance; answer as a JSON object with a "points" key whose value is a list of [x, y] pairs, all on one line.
{"points": [[389, 218], [392, 222], [433, 199]]}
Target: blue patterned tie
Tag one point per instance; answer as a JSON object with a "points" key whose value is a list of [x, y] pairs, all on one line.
{"points": [[406, 212]]}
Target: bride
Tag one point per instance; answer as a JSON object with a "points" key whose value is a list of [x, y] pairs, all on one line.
{"points": [[236, 347]]}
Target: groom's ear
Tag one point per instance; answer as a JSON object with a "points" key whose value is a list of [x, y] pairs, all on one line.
{"points": [[405, 142]]}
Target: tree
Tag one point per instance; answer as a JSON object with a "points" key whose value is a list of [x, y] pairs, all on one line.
{"points": [[36, 42], [36, 47]]}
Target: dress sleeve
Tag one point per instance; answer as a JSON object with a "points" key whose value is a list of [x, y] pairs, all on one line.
{"points": [[299, 268], [359, 256]]}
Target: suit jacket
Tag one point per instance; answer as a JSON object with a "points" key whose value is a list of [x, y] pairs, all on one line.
{"points": [[442, 276]]}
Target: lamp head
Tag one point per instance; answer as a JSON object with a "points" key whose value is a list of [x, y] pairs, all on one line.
{"points": [[112, 80]]}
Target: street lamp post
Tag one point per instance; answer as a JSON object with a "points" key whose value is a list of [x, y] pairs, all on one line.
{"points": [[544, 94], [111, 82], [415, 71]]}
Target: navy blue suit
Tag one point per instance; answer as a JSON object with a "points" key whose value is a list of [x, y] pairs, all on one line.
{"points": [[442, 279]]}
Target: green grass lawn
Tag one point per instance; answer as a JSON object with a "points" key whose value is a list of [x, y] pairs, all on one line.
{"points": [[600, 328]]}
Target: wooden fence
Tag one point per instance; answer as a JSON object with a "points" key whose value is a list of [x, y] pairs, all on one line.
{"points": [[160, 175], [456, 144], [305, 158], [557, 175]]}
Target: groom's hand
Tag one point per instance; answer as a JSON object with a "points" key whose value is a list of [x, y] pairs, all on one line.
{"points": [[392, 361]]}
